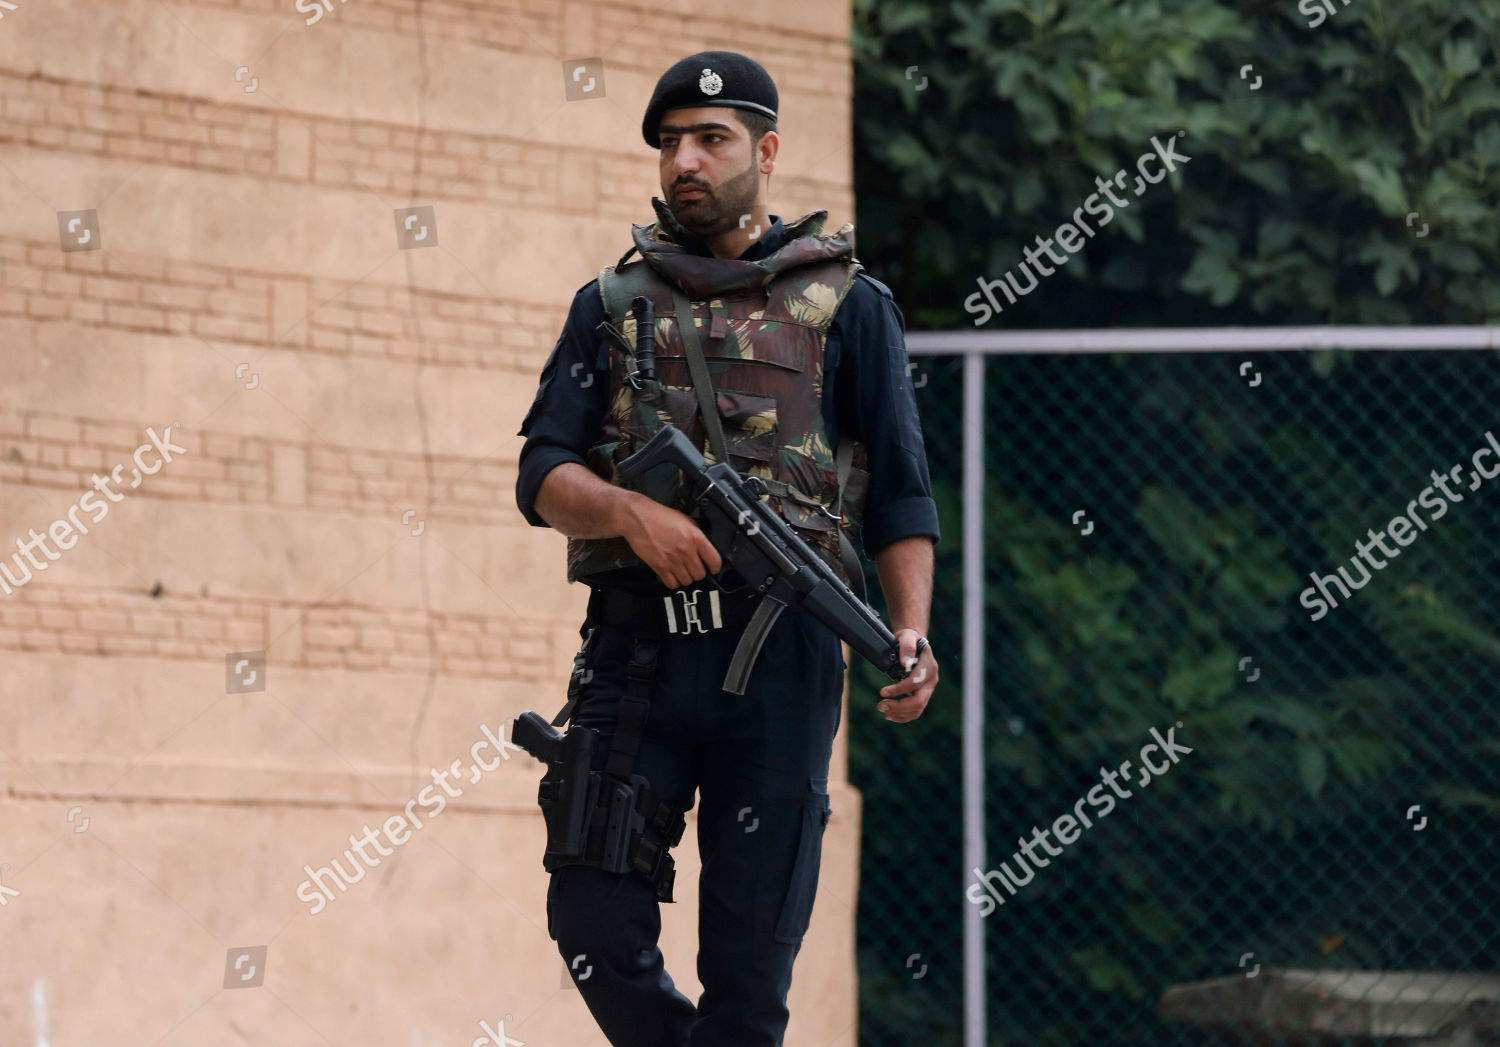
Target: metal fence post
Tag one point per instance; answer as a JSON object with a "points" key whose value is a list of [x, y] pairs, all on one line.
{"points": [[973, 690]]}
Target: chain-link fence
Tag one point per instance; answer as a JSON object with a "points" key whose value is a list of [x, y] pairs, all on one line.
{"points": [[1152, 523]]}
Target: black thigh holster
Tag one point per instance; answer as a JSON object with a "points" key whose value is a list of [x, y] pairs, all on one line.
{"points": [[594, 818], [609, 818]]}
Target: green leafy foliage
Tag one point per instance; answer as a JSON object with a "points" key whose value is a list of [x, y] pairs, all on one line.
{"points": [[1292, 209], [1357, 184]]}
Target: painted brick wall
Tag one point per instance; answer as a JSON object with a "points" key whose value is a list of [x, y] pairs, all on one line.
{"points": [[344, 507]]}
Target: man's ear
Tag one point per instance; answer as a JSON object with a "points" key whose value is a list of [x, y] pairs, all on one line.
{"points": [[766, 150]]}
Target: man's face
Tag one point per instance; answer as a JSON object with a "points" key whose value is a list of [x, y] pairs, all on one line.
{"points": [[709, 174]]}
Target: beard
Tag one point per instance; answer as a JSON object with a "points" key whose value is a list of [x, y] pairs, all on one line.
{"points": [[718, 210]]}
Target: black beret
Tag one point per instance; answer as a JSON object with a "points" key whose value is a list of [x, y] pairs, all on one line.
{"points": [[710, 78]]}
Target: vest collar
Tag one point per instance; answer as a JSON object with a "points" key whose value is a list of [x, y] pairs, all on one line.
{"points": [[763, 245], [664, 246]]}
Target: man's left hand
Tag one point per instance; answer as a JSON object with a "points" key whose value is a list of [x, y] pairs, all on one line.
{"points": [[905, 701]]}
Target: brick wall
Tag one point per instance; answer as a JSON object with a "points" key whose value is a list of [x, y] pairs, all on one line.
{"points": [[345, 503]]}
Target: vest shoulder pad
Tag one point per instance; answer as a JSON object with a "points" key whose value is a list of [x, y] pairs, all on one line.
{"points": [[885, 292], [618, 285]]}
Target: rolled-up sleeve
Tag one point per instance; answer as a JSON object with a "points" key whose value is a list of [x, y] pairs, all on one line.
{"points": [[565, 417], [876, 402]]}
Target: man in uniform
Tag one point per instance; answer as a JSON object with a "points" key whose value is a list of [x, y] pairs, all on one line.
{"points": [[801, 358]]}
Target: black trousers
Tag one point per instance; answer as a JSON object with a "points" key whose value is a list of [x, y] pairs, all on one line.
{"points": [[759, 764]]}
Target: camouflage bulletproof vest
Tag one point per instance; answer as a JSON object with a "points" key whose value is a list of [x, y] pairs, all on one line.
{"points": [[762, 326]]}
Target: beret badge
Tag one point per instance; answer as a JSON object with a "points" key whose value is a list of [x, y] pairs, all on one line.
{"points": [[710, 83]]}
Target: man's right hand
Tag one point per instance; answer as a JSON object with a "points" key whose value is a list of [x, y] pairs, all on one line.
{"points": [[669, 543]]}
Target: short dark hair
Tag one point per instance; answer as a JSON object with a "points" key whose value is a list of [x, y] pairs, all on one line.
{"points": [[755, 123]]}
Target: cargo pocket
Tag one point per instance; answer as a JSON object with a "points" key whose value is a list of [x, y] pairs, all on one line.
{"points": [[796, 910], [749, 430]]}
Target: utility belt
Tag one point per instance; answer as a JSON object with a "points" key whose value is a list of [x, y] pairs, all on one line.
{"points": [[700, 608], [602, 818]]}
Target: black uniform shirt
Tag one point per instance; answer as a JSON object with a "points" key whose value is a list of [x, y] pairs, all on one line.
{"points": [[867, 393]]}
